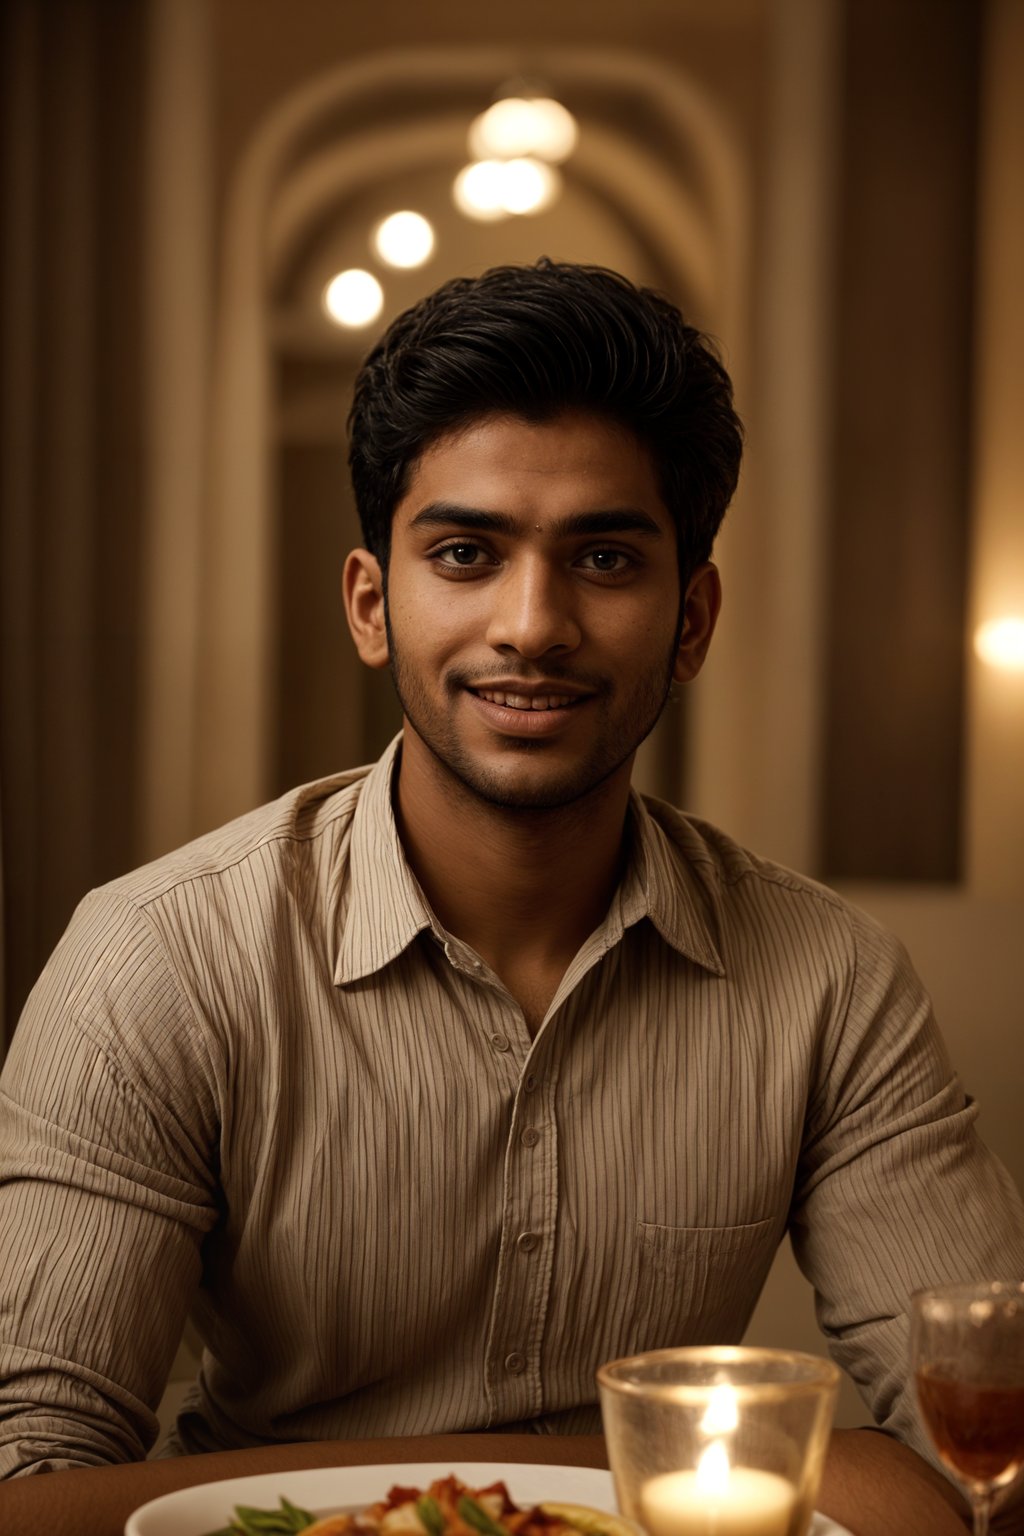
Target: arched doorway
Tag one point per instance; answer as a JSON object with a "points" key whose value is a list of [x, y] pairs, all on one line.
{"points": [[657, 193]]}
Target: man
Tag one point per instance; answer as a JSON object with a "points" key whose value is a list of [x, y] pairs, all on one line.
{"points": [[434, 1085]]}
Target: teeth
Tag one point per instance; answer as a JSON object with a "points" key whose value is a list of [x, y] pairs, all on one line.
{"points": [[523, 701]]}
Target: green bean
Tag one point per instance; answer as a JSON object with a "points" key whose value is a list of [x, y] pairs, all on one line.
{"points": [[476, 1516], [300, 1517], [263, 1522], [431, 1515], [286, 1521]]}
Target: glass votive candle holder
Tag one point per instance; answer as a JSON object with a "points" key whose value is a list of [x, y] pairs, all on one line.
{"points": [[718, 1441]]}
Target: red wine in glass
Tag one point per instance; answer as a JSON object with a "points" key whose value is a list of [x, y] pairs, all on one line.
{"points": [[977, 1427], [967, 1347]]}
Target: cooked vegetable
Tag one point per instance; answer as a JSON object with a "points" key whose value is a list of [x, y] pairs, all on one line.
{"points": [[284, 1521], [476, 1516], [593, 1522], [429, 1511], [447, 1508]]}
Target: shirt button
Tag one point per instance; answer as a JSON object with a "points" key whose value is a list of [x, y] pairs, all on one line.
{"points": [[530, 1082], [499, 1042], [515, 1363], [530, 1136], [526, 1242]]}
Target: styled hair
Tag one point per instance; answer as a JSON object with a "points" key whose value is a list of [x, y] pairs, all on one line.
{"points": [[535, 342]]}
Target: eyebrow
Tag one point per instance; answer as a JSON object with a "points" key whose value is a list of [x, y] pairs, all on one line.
{"points": [[444, 514]]}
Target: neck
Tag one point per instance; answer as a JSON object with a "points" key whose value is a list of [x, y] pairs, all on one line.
{"points": [[518, 886]]}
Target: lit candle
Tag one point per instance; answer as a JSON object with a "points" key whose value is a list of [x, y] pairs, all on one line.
{"points": [[718, 1500]]}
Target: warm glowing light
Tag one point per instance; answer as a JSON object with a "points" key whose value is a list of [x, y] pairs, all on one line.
{"points": [[478, 190], [719, 1499], [1000, 643], [517, 126], [529, 186], [353, 298], [492, 189], [404, 239], [722, 1414], [713, 1469]]}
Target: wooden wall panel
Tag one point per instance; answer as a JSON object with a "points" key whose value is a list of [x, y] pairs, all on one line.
{"points": [[901, 450]]}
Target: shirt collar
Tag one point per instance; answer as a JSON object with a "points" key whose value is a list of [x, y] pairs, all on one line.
{"points": [[387, 909], [661, 884]]}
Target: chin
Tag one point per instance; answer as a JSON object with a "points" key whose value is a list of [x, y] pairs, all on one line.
{"points": [[514, 790]]}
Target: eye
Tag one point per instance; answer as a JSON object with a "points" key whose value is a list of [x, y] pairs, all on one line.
{"points": [[609, 562], [462, 554]]}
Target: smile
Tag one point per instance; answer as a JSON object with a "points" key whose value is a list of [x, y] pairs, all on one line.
{"points": [[525, 701]]}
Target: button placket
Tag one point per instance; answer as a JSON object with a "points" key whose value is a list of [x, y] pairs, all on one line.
{"points": [[525, 1262], [485, 1003]]}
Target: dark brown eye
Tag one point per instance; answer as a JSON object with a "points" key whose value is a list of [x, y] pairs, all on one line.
{"points": [[460, 554], [606, 560]]}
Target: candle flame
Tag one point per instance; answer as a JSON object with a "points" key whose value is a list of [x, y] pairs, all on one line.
{"points": [[722, 1413], [713, 1469]]}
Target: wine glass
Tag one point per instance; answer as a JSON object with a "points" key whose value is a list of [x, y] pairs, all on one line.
{"points": [[967, 1350]]}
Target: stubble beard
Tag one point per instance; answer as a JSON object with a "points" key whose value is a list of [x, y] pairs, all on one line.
{"points": [[615, 745]]}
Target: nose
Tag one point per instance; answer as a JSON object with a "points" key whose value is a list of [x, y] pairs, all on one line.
{"points": [[533, 611]]}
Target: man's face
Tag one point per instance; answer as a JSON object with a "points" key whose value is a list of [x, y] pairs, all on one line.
{"points": [[533, 606]]}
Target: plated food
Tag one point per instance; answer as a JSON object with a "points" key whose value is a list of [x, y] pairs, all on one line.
{"points": [[447, 1507]]}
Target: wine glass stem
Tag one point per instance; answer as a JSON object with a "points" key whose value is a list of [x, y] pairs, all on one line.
{"points": [[982, 1506]]}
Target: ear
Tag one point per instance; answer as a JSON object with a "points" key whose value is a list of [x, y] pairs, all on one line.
{"points": [[363, 590], [700, 613]]}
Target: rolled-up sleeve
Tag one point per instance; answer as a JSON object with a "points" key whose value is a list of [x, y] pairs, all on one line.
{"points": [[108, 1113]]}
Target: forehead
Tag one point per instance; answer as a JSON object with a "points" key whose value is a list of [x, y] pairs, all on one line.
{"points": [[574, 462]]}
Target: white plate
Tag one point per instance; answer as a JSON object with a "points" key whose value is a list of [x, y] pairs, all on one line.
{"points": [[208, 1507]]}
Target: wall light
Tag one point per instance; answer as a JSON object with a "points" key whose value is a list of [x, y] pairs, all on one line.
{"points": [[404, 239], [353, 298], [1000, 643]]}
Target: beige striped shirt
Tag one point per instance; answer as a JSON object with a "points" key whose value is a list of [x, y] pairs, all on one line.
{"points": [[258, 1079]]}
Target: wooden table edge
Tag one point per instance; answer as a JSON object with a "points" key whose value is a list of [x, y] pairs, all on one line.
{"points": [[96, 1501]]}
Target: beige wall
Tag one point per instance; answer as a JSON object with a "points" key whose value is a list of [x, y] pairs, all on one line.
{"points": [[967, 941]]}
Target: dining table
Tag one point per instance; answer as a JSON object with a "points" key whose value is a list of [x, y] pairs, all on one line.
{"points": [[96, 1501]]}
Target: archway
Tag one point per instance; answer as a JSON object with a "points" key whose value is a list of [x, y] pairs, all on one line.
{"points": [[669, 180]]}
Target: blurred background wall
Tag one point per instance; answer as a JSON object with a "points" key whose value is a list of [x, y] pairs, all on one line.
{"points": [[833, 188]]}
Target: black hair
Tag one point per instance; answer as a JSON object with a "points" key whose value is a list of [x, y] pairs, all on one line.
{"points": [[535, 342]]}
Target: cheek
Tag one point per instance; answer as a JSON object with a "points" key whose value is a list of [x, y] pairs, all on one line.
{"points": [[648, 641], [428, 627]]}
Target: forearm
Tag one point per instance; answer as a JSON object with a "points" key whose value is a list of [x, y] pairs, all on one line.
{"points": [[96, 1273], [874, 1486]]}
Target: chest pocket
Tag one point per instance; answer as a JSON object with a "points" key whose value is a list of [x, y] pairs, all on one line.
{"points": [[698, 1285]]}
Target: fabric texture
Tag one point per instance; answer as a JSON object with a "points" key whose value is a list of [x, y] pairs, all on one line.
{"points": [[259, 1080]]}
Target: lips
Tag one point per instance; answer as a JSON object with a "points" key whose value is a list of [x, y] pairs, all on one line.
{"points": [[532, 711], [526, 701]]}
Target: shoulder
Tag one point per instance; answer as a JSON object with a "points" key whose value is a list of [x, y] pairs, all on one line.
{"points": [[792, 921], [148, 959], [730, 873], [816, 965], [307, 820]]}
